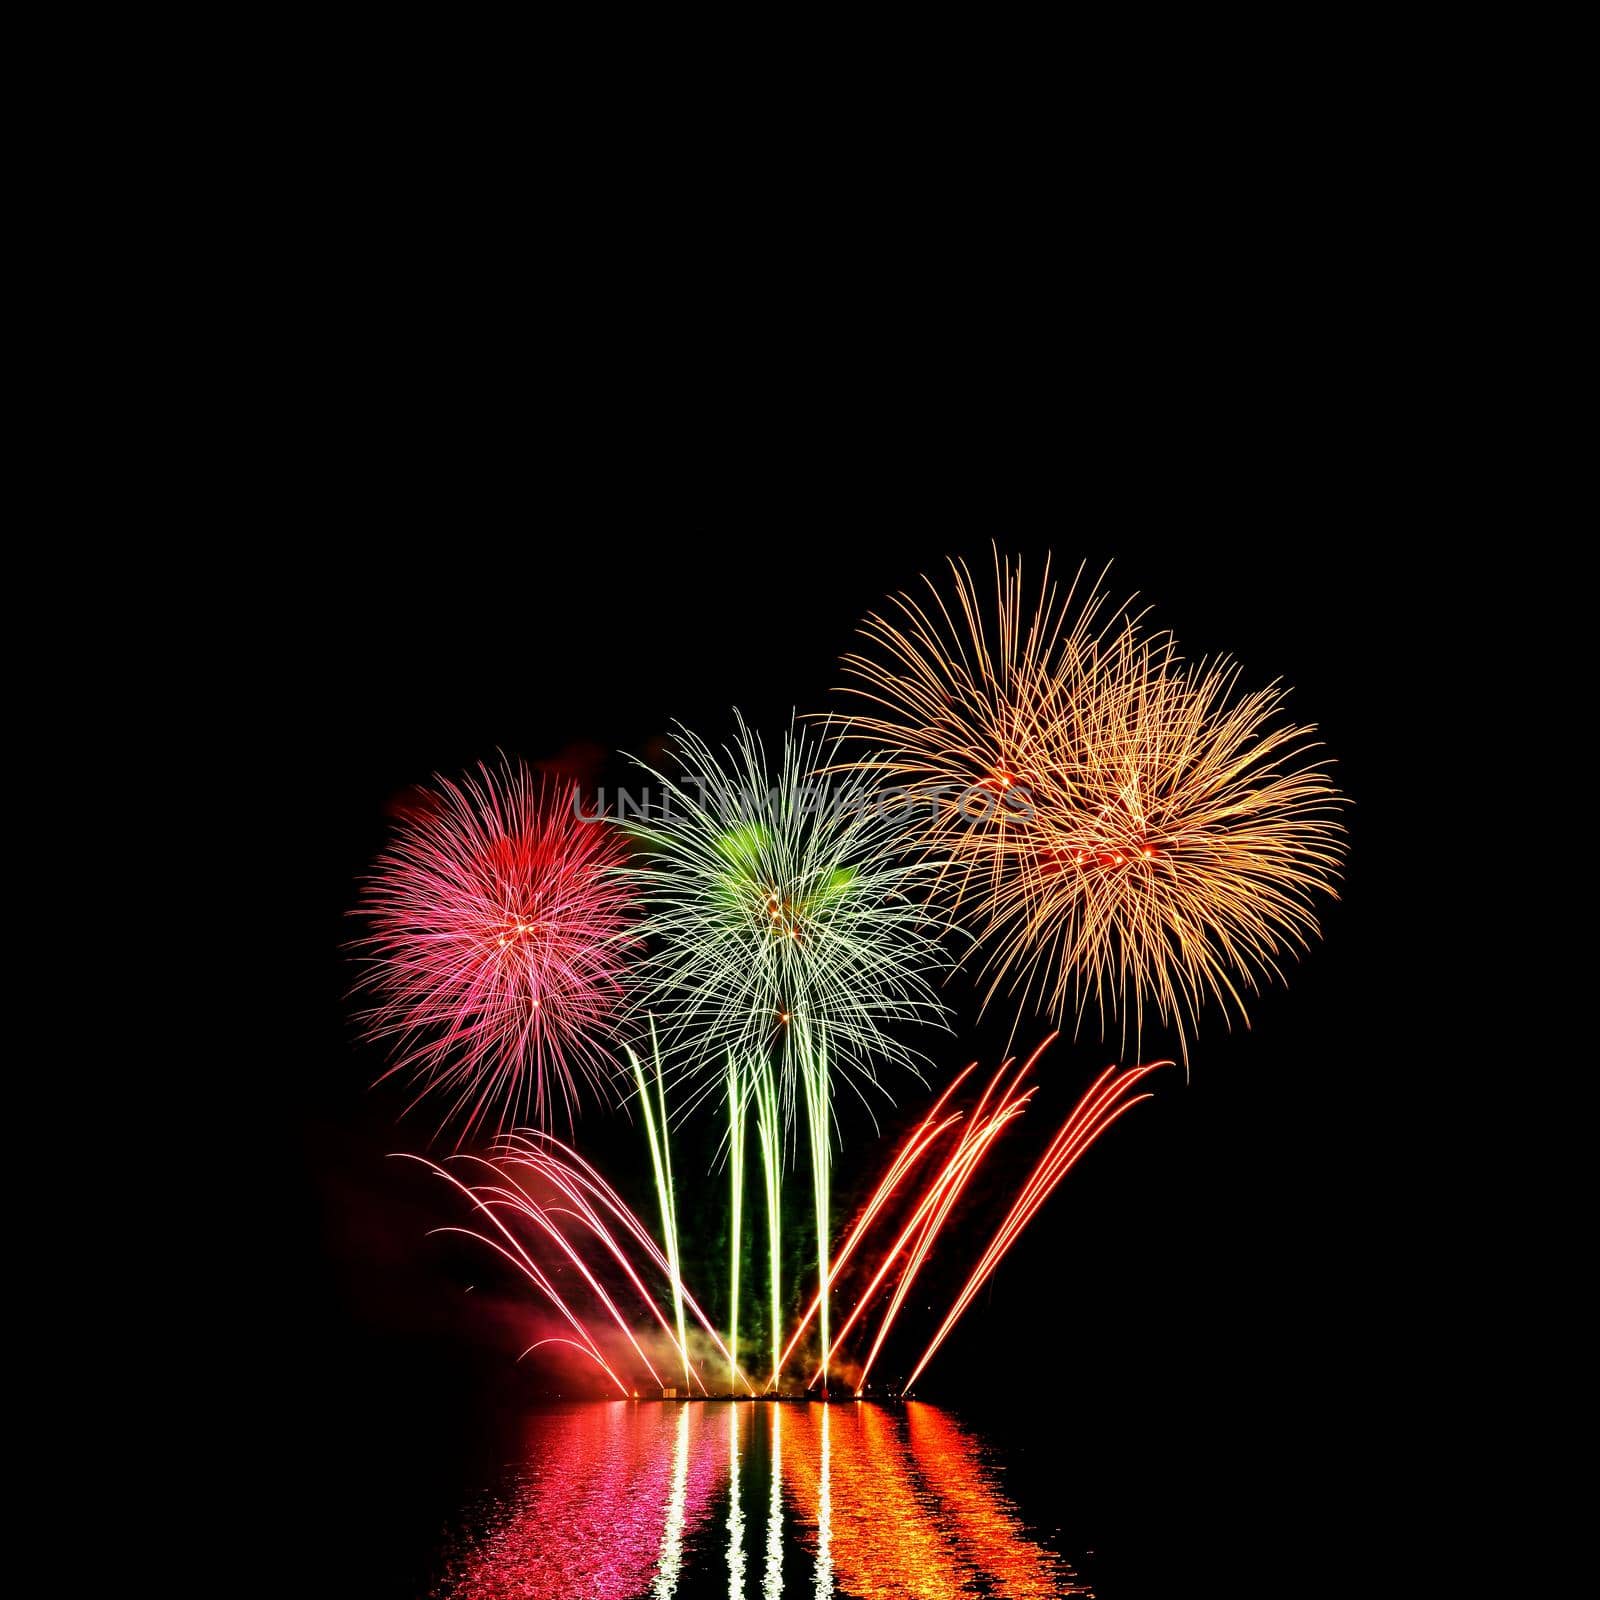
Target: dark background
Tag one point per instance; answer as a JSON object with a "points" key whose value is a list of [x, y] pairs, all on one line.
{"points": [[1185, 1338]]}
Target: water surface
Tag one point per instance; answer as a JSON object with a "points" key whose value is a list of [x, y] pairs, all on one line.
{"points": [[617, 1500]]}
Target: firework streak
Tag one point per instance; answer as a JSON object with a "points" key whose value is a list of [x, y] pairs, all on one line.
{"points": [[749, 1086], [944, 1152], [1104, 1103], [661, 1162], [980, 1134], [737, 1112], [580, 1205], [926, 1132], [769, 1131]]}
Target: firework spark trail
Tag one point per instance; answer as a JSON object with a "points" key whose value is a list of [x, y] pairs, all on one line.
{"points": [[1148, 835], [911, 1151], [577, 1182], [588, 1219], [971, 1147], [512, 1197], [949, 1186], [770, 1131], [570, 1186], [500, 926], [661, 1161], [571, 1168], [814, 1070], [886, 1189], [519, 1257], [1096, 1112], [582, 1349], [737, 1109], [589, 1195]]}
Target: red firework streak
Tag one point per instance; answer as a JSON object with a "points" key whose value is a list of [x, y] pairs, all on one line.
{"points": [[936, 1204], [518, 1255], [581, 1183], [590, 1199], [1095, 1112], [922, 1136], [500, 928]]}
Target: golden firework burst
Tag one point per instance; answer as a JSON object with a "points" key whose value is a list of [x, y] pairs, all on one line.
{"points": [[1120, 828]]}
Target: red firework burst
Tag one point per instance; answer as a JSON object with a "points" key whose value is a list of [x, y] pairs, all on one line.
{"points": [[500, 929]]}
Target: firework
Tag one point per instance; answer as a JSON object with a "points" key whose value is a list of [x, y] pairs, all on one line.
{"points": [[917, 1237], [783, 908], [514, 1251], [948, 1188], [537, 1190], [499, 931], [790, 932], [1120, 828], [911, 1152], [769, 1132], [655, 1123], [594, 1199], [1105, 1102], [998, 1106], [814, 1076], [737, 1112], [958, 701]]}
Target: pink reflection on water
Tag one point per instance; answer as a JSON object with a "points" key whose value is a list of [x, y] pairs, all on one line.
{"points": [[605, 1506]]}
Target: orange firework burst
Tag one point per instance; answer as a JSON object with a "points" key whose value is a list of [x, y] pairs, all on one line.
{"points": [[1121, 828]]}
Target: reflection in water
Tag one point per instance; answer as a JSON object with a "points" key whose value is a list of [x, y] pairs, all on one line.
{"points": [[607, 1492], [667, 1568], [735, 1510], [883, 1539], [984, 1524], [824, 1586], [772, 1586], [617, 1501]]}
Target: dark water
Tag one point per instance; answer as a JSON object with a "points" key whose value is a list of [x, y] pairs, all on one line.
{"points": [[611, 1500]]}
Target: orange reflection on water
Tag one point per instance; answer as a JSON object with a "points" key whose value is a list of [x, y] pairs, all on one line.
{"points": [[881, 1542], [908, 1509], [984, 1523]]}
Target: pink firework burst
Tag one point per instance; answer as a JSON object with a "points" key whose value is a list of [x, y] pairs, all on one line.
{"points": [[500, 926]]}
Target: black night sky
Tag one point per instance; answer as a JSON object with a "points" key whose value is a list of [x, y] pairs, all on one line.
{"points": [[1178, 1343]]}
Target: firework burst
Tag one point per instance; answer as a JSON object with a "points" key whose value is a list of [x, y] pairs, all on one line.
{"points": [[786, 917], [957, 704], [1121, 829], [500, 926]]}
